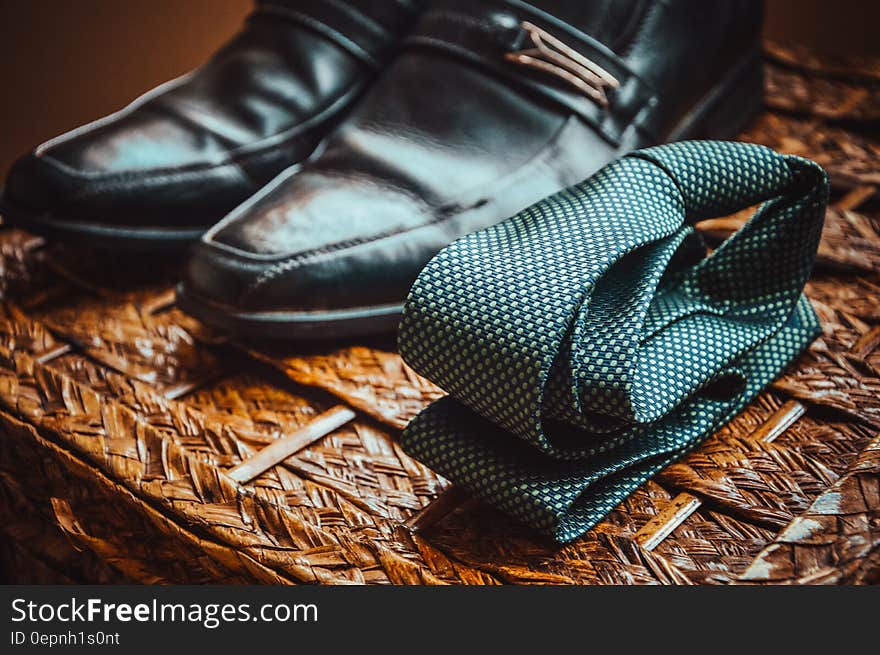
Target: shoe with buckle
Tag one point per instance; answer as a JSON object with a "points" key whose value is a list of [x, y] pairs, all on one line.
{"points": [[487, 108]]}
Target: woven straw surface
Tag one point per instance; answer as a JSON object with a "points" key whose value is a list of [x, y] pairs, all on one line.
{"points": [[121, 419]]}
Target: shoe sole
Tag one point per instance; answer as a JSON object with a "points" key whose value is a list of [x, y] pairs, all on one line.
{"points": [[313, 325], [103, 237]]}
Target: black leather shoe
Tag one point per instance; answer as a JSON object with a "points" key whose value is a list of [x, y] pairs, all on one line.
{"points": [[489, 107], [175, 161]]}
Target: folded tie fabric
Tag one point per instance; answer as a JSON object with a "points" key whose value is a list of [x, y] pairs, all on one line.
{"points": [[589, 341]]}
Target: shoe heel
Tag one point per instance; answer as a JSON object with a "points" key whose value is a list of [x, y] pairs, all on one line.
{"points": [[730, 107]]}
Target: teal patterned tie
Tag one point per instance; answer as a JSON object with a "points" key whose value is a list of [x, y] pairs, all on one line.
{"points": [[589, 341]]}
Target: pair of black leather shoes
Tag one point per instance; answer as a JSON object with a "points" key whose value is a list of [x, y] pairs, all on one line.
{"points": [[347, 141]]}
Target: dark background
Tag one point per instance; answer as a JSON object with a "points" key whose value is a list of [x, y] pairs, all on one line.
{"points": [[66, 62]]}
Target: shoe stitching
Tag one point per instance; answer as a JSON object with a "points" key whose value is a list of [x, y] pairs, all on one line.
{"points": [[464, 201], [438, 215], [241, 155], [442, 215], [153, 181]]}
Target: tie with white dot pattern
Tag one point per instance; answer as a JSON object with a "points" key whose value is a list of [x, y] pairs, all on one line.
{"points": [[588, 341]]}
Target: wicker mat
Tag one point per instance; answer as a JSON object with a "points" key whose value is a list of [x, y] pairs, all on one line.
{"points": [[122, 419]]}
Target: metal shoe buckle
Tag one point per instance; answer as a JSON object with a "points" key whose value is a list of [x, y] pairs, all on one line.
{"points": [[552, 56]]}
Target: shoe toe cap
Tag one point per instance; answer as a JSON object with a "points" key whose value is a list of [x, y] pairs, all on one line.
{"points": [[40, 187], [37, 184], [222, 277]]}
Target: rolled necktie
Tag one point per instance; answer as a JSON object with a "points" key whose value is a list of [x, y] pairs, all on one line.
{"points": [[589, 341]]}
